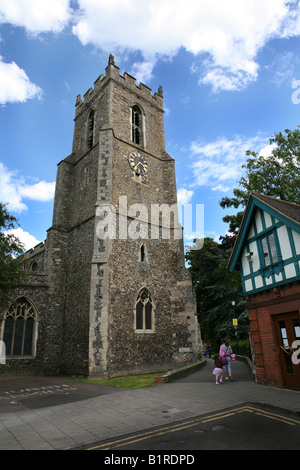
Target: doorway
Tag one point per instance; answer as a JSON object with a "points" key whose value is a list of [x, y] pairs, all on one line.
{"points": [[288, 331]]}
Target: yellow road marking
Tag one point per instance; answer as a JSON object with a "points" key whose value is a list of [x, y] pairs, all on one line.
{"points": [[165, 429], [194, 422]]}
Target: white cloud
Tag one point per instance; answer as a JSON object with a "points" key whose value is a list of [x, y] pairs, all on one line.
{"points": [[222, 188], [230, 33], [28, 240], [41, 191], [224, 37], [13, 189], [142, 71], [284, 67], [15, 86], [8, 191], [184, 195], [218, 164], [228, 78], [36, 16], [267, 151]]}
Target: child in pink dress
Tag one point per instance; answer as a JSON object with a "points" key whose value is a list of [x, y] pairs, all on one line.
{"points": [[218, 370]]}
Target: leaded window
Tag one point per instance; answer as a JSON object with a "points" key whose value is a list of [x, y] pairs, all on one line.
{"points": [[144, 314], [269, 249], [90, 130], [136, 126], [20, 329]]}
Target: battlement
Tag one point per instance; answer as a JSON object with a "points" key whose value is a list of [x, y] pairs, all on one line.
{"points": [[35, 250], [126, 80]]}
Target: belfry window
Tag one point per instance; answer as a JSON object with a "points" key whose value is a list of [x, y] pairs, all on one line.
{"points": [[90, 130], [143, 254], [20, 329], [136, 126], [144, 314]]}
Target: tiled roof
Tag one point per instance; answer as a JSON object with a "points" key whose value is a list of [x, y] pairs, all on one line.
{"points": [[288, 209]]}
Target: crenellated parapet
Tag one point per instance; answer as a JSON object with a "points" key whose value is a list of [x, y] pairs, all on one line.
{"points": [[125, 80], [113, 101], [34, 259], [36, 250]]}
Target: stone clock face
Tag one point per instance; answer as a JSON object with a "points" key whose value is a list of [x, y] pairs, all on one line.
{"points": [[138, 163]]}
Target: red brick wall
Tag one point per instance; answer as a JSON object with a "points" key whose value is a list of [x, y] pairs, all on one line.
{"points": [[262, 308]]}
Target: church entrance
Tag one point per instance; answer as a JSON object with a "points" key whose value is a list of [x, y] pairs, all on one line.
{"points": [[287, 331]]}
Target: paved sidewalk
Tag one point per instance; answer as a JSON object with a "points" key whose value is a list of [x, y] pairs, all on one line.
{"points": [[87, 415]]}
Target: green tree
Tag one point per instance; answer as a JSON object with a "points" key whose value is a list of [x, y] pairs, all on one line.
{"points": [[10, 251], [215, 289], [277, 175]]}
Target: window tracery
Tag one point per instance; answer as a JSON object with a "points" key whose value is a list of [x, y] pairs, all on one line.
{"points": [[19, 331], [136, 126], [144, 314], [90, 130]]}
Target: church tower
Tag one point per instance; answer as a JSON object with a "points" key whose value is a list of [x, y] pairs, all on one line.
{"points": [[127, 292], [115, 297]]}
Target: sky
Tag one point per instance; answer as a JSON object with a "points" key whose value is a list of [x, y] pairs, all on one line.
{"points": [[230, 72]]}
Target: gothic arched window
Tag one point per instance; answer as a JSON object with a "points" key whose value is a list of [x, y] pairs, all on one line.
{"points": [[144, 312], [19, 329], [90, 130], [34, 266], [136, 126]]}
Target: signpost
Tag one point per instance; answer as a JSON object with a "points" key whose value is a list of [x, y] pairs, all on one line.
{"points": [[235, 325]]}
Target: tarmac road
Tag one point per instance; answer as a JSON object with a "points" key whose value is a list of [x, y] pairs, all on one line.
{"points": [[246, 427], [29, 393]]}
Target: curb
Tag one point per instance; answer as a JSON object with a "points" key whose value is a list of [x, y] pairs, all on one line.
{"points": [[250, 364], [180, 373]]}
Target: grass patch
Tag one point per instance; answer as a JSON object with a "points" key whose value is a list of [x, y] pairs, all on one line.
{"points": [[130, 381]]}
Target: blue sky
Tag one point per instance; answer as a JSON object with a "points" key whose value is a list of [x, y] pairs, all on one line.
{"points": [[230, 72]]}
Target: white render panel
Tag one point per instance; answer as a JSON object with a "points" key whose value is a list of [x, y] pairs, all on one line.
{"points": [[269, 280], [258, 282], [248, 285], [258, 221], [251, 233], [254, 257], [268, 219], [284, 242], [290, 270], [296, 237], [245, 263]]}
